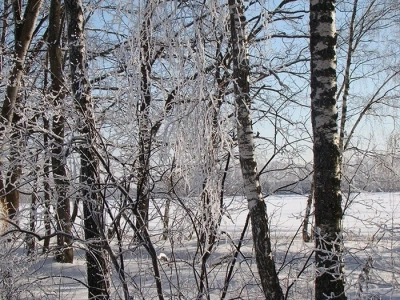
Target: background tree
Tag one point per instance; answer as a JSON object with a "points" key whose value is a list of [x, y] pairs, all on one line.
{"points": [[24, 27], [367, 20], [58, 91], [96, 257]]}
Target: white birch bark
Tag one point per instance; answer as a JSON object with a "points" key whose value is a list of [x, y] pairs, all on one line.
{"points": [[256, 204], [324, 114]]}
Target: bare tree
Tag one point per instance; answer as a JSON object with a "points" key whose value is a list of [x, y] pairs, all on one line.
{"points": [[56, 18], [256, 204], [96, 256], [25, 23]]}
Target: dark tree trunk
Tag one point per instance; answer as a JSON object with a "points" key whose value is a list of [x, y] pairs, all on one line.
{"points": [[11, 187], [46, 188], [96, 256], [306, 236], [145, 137], [65, 252], [4, 29], [24, 29], [144, 141], [30, 240], [147, 130], [328, 212], [258, 214]]}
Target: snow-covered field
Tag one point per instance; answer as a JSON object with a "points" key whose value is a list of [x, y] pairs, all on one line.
{"points": [[371, 229]]}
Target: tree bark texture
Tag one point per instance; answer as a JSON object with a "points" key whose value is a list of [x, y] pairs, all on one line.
{"points": [[65, 252], [96, 256], [259, 219], [46, 188], [4, 29], [306, 236], [30, 240], [145, 135], [24, 29], [329, 281]]}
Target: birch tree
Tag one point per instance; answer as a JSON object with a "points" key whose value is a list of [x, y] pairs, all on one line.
{"points": [[96, 257], [329, 280], [363, 64], [256, 204]]}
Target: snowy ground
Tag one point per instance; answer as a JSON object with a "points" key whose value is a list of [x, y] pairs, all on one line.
{"points": [[371, 229]]}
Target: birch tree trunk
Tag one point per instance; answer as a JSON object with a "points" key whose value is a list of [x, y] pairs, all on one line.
{"points": [[306, 236], [96, 255], [256, 204], [328, 212], [65, 252]]}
